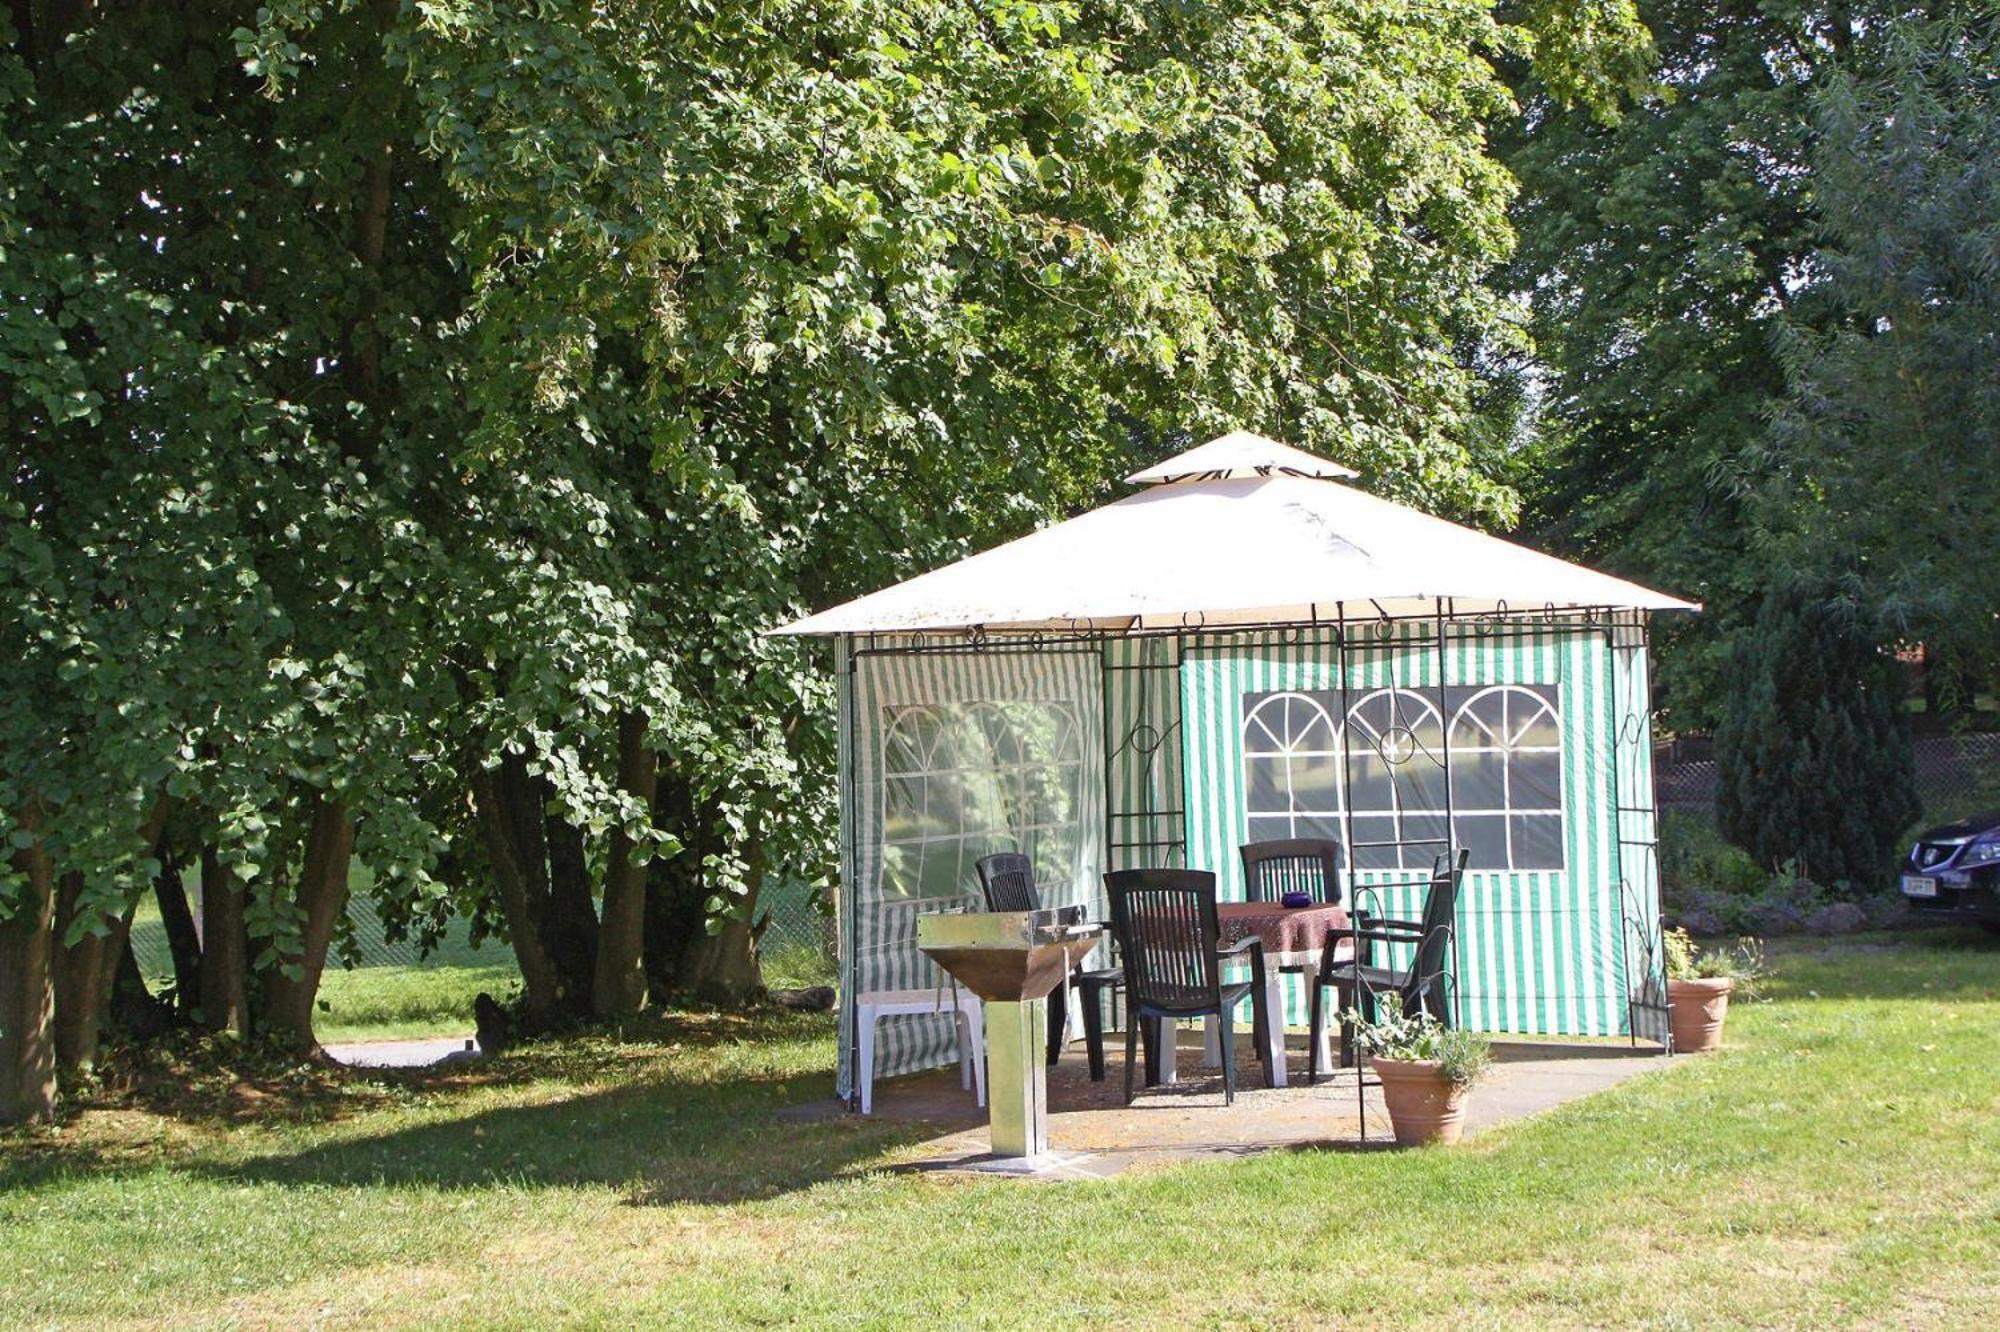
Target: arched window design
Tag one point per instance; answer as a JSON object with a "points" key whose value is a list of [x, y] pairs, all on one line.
{"points": [[1505, 757], [1291, 768], [1395, 767], [963, 780], [1506, 771]]}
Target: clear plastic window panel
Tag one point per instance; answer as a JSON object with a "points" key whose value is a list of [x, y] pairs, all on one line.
{"points": [[1504, 756], [965, 780]]}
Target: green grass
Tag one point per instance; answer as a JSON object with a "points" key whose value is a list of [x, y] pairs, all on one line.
{"points": [[793, 965], [435, 999], [1837, 1165], [398, 1003]]}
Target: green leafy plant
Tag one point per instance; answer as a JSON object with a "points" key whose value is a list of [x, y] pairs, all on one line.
{"points": [[1695, 861], [1462, 1056], [1742, 961]]}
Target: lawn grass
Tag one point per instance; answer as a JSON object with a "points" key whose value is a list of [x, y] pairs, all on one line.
{"points": [[1838, 1165], [406, 1003], [387, 1002]]}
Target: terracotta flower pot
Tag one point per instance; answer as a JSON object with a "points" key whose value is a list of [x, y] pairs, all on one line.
{"points": [[1697, 1008], [1424, 1106]]}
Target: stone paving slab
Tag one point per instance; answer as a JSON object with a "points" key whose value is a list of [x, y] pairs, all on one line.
{"points": [[1093, 1133], [402, 1054]]}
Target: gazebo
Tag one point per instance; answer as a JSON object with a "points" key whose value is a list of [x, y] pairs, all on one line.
{"points": [[1249, 648]]}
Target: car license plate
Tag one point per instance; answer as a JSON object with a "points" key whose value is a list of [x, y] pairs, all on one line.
{"points": [[1919, 885]]}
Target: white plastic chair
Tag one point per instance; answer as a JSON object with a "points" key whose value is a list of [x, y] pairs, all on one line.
{"points": [[942, 996], [874, 1005]]}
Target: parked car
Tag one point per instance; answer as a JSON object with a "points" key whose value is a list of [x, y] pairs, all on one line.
{"points": [[1954, 871]]}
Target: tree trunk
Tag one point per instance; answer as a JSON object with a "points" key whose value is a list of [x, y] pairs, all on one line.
{"points": [[676, 895], [621, 937], [520, 901], [130, 1007], [722, 967], [569, 925], [225, 948], [27, 993], [322, 892], [115, 949], [78, 978], [83, 972], [183, 940], [135, 1011]]}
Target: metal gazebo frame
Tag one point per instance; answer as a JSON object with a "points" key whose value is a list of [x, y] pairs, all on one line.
{"points": [[1134, 837]]}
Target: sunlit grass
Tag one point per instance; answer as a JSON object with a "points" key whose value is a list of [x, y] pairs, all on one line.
{"points": [[395, 1003]]}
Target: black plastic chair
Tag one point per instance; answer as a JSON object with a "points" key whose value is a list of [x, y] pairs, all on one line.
{"points": [[1008, 880], [1169, 931], [1294, 864], [1427, 982]]}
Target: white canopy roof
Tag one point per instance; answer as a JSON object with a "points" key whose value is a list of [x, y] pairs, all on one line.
{"points": [[1251, 536]]}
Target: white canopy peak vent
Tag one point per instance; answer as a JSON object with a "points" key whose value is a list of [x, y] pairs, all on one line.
{"points": [[1240, 453]]}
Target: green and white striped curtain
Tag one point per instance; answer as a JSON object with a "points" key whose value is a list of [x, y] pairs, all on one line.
{"points": [[1540, 951], [947, 757]]}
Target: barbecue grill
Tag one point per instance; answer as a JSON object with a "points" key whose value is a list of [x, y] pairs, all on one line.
{"points": [[1012, 960]]}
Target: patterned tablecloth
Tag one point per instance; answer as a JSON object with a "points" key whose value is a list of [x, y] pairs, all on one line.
{"points": [[1296, 932]]}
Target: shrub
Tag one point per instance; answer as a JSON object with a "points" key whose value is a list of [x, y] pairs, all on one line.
{"points": [[1813, 749], [1696, 863], [1714, 888]]}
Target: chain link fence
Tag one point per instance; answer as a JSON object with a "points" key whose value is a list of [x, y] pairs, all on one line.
{"points": [[798, 918], [1956, 775], [798, 943], [372, 945]]}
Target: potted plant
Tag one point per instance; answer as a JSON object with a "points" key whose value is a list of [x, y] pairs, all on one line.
{"points": [[1699, 983], [1425, 1068]]}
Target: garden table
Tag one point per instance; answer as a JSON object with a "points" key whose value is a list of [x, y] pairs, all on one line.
{"points": [[1292, 937]]}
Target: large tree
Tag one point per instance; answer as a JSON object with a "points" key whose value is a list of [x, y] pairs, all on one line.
{"points": [[1762, 316], [1883, 457], [416, 413], [240, 543], [1658, 247], [220, 376]]}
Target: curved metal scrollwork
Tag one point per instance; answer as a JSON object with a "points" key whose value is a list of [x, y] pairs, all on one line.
{"points": [[1643, 934]]}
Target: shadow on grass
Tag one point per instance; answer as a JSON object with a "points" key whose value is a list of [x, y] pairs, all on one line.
{"points": [[686, 1107], [669, 1114], [31, 1159], [675, 1108], [660, 1142]]}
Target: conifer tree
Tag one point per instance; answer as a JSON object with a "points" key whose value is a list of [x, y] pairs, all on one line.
{"points": [[1813, 746]]}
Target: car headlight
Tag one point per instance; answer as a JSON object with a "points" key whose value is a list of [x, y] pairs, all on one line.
{"points": [[1982, 852]]}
